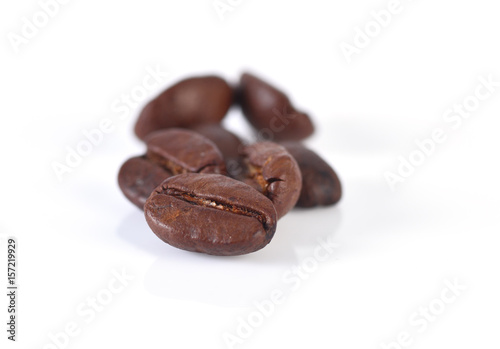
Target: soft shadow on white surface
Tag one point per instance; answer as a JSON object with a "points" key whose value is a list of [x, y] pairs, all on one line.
{"points": [[230, 281]]}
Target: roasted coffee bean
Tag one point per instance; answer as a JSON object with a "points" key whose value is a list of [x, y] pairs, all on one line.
{"points": [[228, 143], [170, 152], [268, 108], [210, 213], [320, 184], [138, 177], [188, 103], [270, 169], [183, 151]]}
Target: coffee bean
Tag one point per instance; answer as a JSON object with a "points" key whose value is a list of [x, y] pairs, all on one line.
{"points": [[183, 151], [270, 169], [138, 177], [210, 213], [188, 103], [201, 188], [270, 111], [228, 143], [320, 184], [170, 152]]}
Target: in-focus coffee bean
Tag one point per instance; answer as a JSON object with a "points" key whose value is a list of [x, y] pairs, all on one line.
{"points": [[270, 169], [210, 213]]}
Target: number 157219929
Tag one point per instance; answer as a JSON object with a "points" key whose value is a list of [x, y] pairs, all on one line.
{"points": [[11, 260]]}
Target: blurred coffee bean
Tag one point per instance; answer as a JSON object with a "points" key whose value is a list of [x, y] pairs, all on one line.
{"points": [[320, 184], [188, 103], [183, 151], [228, 143], [269, 109], [170, 152], [138, 177]]}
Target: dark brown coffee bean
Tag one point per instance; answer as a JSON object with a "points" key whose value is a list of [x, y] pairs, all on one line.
{"points": [[267, 108], [138, 177], [320, 184], [228, 143], [188, 103], [270, 169], [212, 214], [170, 152], [183, 151]]}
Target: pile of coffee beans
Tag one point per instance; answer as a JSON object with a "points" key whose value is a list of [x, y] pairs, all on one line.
{"points": [[202, 188]]}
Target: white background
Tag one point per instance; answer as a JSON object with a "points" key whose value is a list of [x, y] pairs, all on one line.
{"points": [[395, 249]]}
